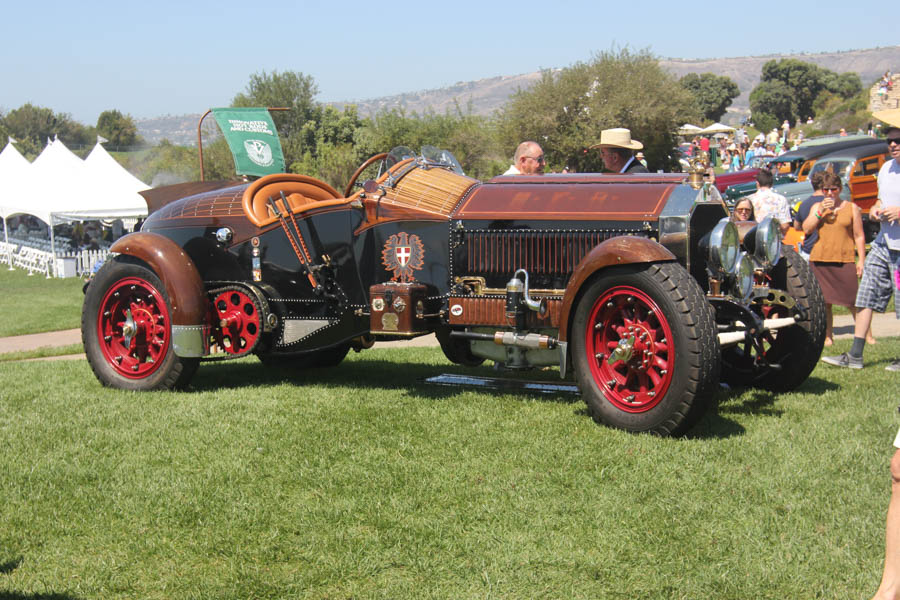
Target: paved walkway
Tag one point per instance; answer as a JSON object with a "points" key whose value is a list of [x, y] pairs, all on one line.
{"points": [[52, 339]]}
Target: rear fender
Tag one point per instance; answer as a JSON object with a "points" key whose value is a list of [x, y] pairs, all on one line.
{"points": [[184, 286], [623, 250]]}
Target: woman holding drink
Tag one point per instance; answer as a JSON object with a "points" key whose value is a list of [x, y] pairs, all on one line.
{"points": [[838, 255]]}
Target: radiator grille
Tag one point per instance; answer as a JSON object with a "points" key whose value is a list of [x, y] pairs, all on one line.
{"points": [[538, 252]]}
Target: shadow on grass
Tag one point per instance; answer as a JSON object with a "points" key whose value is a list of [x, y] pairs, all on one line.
{"points": [[713, 426], [395, 375], [21, 596], [10, 565], [817, 385], [371, 373], [760, 403]]}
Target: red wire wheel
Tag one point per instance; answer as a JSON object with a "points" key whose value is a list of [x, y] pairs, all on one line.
{"points": [[633, 357], [239, 321], [133, 325], [644, 348]]}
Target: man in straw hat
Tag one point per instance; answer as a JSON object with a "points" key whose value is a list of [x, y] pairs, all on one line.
{"points": [[617, 151], [874, 292]]}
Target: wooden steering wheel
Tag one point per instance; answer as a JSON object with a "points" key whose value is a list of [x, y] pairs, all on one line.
{"points": [[358, 172]]}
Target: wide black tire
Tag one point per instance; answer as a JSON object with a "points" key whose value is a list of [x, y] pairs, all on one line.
{"points": [[329, 357], [796, 348], [457, 351], [122, 293], [666, 382]]}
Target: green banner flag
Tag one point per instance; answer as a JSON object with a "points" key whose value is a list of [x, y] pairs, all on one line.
{"points": [[253, 140]]}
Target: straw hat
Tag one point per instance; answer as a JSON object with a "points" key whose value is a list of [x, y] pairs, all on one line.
{"points": [[617, 138], [891, 116]]}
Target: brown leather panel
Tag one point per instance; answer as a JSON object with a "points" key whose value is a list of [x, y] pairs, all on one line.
{"points": [[619, 198], [256, 196], [617, 251], [176, 270], [475, 310]]}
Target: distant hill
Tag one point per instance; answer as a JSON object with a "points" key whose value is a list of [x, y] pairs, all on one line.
{"points": [[485, 96]]}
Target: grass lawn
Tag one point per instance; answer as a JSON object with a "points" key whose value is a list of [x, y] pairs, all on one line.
{"points": [[35, 304], [362, 482]]}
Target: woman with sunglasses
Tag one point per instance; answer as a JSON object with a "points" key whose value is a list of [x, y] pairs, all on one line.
{"points": [[838, 255], [743, 210]]}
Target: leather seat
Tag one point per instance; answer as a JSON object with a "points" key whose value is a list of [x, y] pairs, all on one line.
{"points": [[301, 192]]}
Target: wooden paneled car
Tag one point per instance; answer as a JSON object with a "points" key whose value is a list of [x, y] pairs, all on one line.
{"points": [[640, 286]]}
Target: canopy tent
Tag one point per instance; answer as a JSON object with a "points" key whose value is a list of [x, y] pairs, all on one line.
{"points": [[688, 129], [59, 187], [116, 192], [12, 163], [716, 128]]}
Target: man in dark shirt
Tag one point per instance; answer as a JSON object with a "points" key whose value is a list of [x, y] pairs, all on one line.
{"points": [[617, 151], [803, 212]]}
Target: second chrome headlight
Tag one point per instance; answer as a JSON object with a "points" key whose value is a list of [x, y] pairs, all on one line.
{"points": [[742, 276], [767, 246], [724, 246]]}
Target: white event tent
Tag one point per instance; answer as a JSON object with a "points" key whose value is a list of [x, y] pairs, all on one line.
{"points": [[688, 129], [59, 187], [12, 165], [717, 128]]}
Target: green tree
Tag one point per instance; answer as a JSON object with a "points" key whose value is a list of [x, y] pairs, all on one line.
{"points": [[32, 126], [803, 80], [333, 151], [771, 102], [471, 138], [165, 164], [294, 91], [566, 110], [119, 129], [802, 84], [844, 85], [713, 93]]}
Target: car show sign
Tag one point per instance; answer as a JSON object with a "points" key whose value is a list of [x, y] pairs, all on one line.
{"points": [[253, 140]]}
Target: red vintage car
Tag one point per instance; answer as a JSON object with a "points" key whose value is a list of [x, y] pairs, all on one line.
{"points": [[726, 180], [640, 286]]}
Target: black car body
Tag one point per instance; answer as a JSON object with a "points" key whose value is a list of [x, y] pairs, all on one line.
{"points": [[637, 284]]}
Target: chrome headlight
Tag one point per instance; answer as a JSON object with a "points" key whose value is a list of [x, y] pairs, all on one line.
{"points": [[767, 246], [724, 246], [743, 276]]}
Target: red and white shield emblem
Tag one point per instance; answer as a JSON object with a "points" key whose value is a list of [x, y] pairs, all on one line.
{"points": [[403, 254]]}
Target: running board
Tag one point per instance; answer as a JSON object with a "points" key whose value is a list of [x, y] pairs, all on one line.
{"points": [[503, 384]]}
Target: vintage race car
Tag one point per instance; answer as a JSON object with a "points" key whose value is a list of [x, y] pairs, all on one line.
{"points": [[640, 286]]}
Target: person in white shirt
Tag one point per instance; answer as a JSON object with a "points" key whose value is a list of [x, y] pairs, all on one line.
{"points": [[767, 201], [528, 160], [878, 279]]}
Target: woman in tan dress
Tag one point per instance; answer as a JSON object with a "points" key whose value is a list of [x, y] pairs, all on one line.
{"points": [[838, 255]]}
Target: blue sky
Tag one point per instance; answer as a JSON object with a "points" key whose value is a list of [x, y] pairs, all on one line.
{"points": [[149, 59]]}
